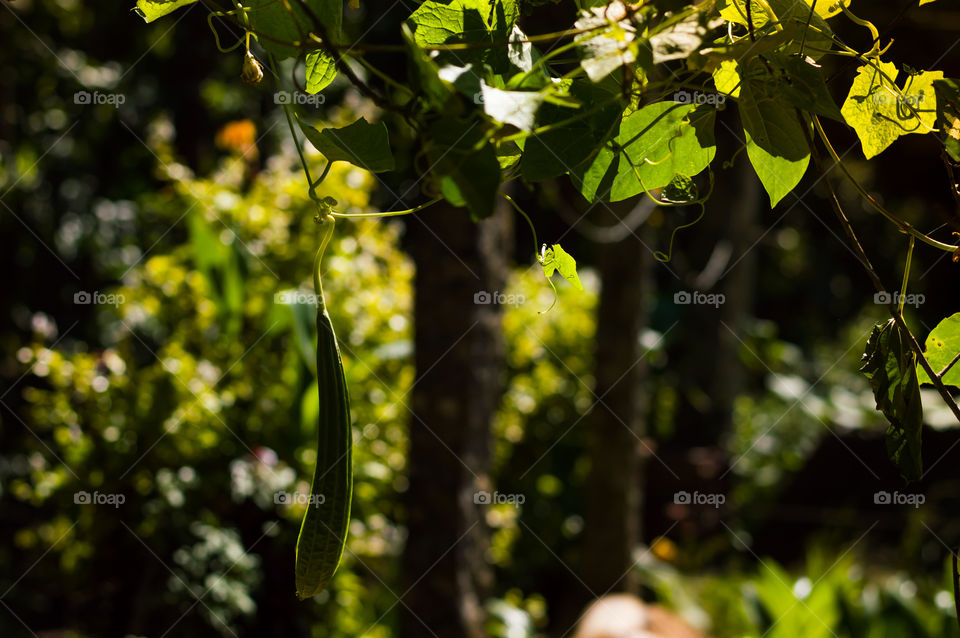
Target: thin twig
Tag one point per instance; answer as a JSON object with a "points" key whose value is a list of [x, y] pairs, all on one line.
{"points": [[947, 367]]}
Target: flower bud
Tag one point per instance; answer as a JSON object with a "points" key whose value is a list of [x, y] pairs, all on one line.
{"points": [[252, 70]]}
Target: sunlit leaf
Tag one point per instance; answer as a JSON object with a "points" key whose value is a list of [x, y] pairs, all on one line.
{"points": [[556, 259], [776, 144], [321, 71], [150, 10], [941, 349], [880, 112], [651, 146], [283, 28]]}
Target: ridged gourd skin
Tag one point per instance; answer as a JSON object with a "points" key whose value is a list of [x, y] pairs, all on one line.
{"points": [[323, 533]]}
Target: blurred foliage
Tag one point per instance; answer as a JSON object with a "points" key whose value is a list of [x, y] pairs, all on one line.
{"points": [[842, 596], [199, 405], [193, 396]]}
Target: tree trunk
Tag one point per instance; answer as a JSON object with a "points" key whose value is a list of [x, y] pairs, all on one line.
{"points": [[738, 289], [459, 357], [617, 424]]}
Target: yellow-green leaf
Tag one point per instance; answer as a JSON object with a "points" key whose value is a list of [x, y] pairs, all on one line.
{"points": [[941, 350], [880, 112], [556, 259], [150, 10], [726, 77]]}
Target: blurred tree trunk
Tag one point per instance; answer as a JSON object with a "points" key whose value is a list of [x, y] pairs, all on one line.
{"points": [[742, 233], [459, 357], [617, 424]]}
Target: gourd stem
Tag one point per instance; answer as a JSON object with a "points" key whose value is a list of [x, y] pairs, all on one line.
{"points": [[326, 232]]}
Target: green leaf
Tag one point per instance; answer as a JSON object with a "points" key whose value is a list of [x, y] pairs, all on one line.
{"points": [[651, 146], [889, 364], [361, 143], [477, 22], [556, 259], [726, 78], [681, 190], [508, 154], [150, 10], [321, 70], [555, 152], [791, 15], [466, 169], [941, 348], [948, 115], [802, 84], [425, 74], [282, 27], [776, 145], [880, 113], [830, 8]]}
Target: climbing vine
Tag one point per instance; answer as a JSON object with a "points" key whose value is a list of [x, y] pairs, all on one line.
{"points": [[623, 103]]}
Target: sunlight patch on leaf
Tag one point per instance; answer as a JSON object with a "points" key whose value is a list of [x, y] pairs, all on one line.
{"points": [[321, 71], [606, 49], [150, 10], [880, 112], [941, 348], [517, 108]]}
